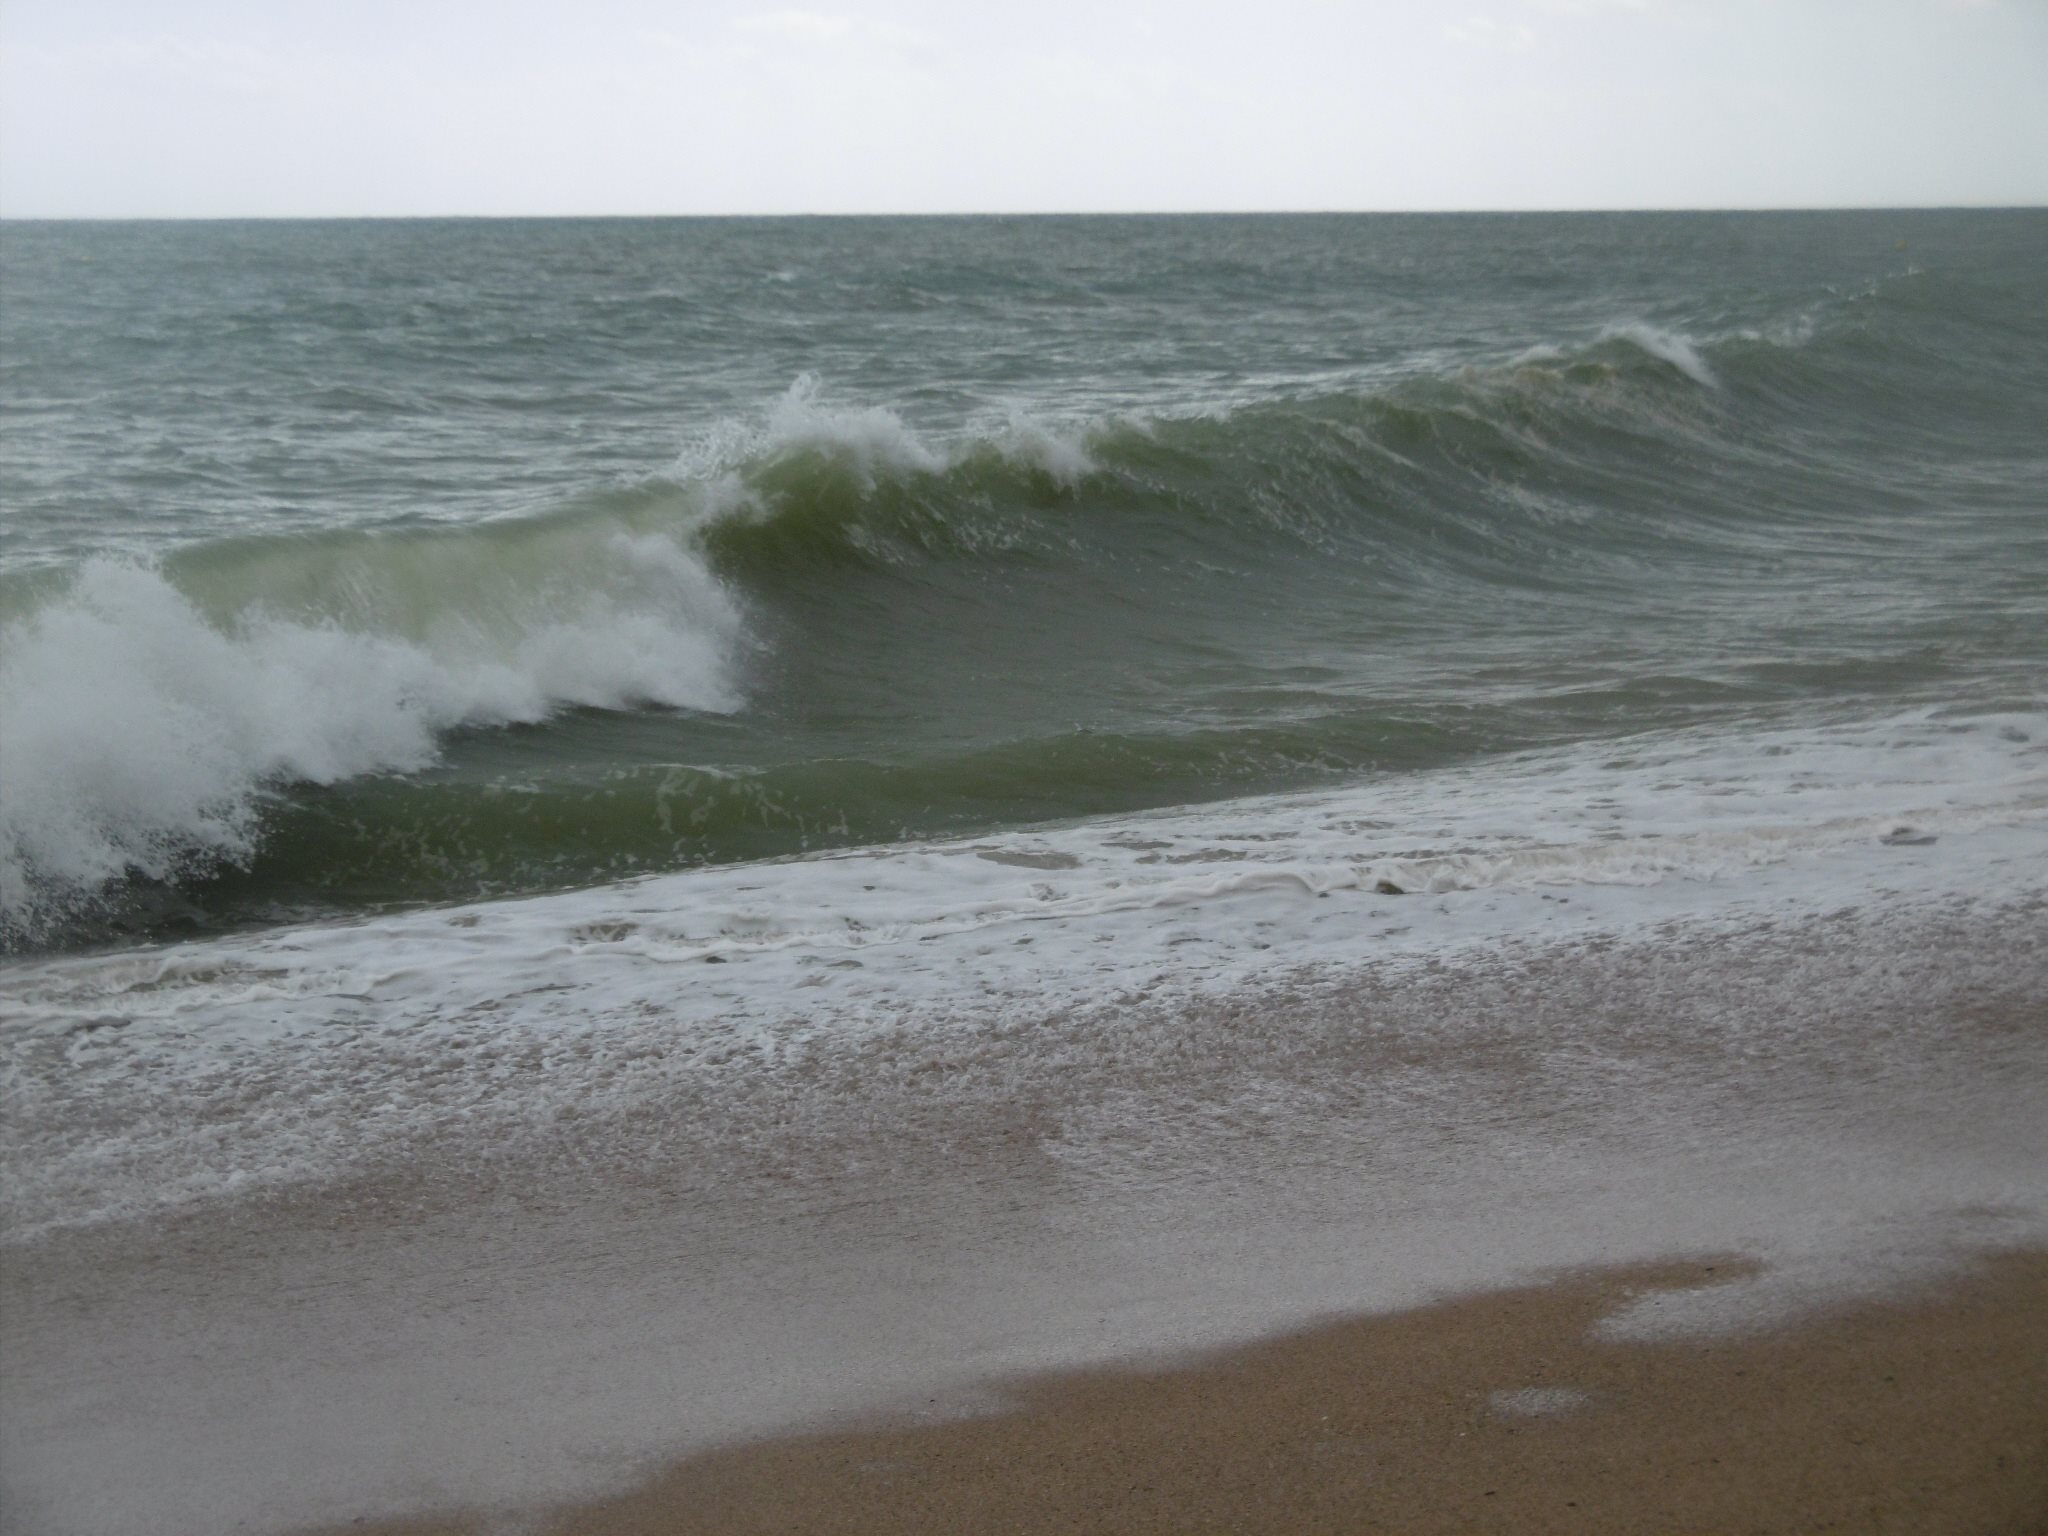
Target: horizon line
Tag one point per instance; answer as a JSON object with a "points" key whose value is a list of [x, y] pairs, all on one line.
{"points": [[1031, 213]]}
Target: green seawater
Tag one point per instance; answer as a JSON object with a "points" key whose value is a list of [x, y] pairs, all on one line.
{"points": [[346, 566]]}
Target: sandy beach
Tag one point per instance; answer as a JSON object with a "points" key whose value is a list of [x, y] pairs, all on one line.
{"points": [[1508, 1411]]}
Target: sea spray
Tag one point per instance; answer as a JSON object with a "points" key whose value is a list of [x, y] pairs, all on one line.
{"points": [[142, 736]]}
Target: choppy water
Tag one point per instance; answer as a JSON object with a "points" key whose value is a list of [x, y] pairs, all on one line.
{"points": [[352, 566]]}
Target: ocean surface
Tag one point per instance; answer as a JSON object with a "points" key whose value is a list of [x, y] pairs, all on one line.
{"points": [[782, 752], [352, 567]]}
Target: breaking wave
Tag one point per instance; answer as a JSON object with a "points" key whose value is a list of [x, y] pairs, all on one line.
{"points": [[144, 725], [151, 716]]}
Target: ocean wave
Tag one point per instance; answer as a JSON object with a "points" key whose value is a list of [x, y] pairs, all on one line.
{"points": [[454, 837], [142, 733], [810, 482], [150, 713]]}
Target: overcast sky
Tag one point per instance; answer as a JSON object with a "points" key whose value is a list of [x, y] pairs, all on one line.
{"points": [[312, 107]]}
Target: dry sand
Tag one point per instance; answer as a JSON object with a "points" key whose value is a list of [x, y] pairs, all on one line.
{"points": [[1506, 1411]]}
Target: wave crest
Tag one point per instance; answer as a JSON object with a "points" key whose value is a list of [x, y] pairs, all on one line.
{"points": [[871, 442], [811, 484], [142, 733]]}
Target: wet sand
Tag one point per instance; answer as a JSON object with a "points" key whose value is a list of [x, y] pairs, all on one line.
{"points": [[1509, 1411]]}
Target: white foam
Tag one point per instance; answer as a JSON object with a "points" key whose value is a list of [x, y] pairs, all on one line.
{"points": [[1034, 443], [1676, 349], [138, 733], [873, 441]]}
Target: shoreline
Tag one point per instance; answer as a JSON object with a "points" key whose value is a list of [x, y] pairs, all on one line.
{"points": [[738, 841], [773, 1243], [1508, 1410]]}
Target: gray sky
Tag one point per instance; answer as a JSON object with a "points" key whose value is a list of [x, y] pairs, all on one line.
{"points": [[310, 107]]}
